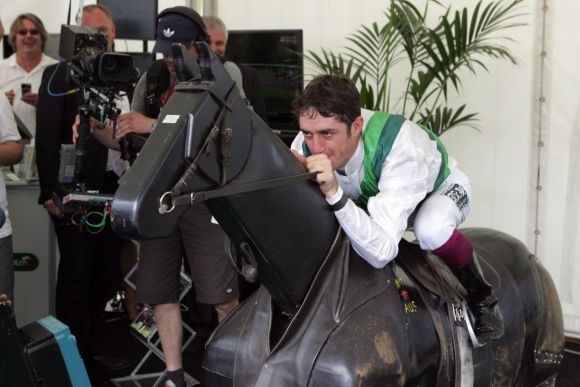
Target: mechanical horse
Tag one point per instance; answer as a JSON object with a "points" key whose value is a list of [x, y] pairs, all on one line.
{"points": [[323, 316]]}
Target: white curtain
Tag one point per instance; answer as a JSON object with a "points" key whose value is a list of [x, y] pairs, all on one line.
{"points": [[557, 152]]}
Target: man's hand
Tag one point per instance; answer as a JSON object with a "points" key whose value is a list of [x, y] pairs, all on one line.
{"points": [[133, 122], [75, 128], [53, 209], [325, 176], [10, 95], [30, 98], [300, 157]]}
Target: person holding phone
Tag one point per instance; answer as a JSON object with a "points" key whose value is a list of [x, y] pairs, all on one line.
{"points": [[21, 73]]}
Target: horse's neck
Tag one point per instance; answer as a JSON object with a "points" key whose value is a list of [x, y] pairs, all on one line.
{"points": [[290, 227]]}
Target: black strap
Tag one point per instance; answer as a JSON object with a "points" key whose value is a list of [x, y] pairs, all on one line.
{"points": [[228, 190]]}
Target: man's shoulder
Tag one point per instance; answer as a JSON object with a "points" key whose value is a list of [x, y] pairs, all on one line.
{"points": [[47, 61], [9, 62], [6, 65]]}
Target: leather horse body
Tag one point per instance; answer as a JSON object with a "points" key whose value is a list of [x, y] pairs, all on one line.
{"points": [[323, 316]]}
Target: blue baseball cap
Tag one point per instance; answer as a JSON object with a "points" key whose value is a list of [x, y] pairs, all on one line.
{"points": [[175, 27]]}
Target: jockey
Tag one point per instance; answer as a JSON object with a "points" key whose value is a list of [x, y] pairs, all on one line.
{"points": [[381, 173]]}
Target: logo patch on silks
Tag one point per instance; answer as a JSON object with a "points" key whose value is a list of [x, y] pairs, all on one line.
{"points": [[25, 262], [458, 195], [409, 305]]}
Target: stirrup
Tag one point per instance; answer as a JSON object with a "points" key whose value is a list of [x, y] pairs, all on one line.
{"points": [[469, 320], [470, 324]]}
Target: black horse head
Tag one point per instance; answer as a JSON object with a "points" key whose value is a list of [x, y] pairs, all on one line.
{"points": [[209, 146]]}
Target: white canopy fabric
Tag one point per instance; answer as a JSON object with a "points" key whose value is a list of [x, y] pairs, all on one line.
{"points": [[557, 153]]}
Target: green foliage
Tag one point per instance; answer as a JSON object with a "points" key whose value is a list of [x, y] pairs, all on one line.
{"points": [[436, 57]]}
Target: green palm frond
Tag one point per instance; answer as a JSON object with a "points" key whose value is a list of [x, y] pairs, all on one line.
{"points": [[336, 64], [435, 57], [443, 119]]}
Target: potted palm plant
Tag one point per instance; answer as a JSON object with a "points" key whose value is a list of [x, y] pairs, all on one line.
{"points": [[433, 57]]}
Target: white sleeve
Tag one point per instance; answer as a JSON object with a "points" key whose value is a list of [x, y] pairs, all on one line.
{"points": [[8, 129], [407, 176]]}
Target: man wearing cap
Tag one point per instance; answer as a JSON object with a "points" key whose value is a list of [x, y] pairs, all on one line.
{"points": [[195, 236], [174, 25]]}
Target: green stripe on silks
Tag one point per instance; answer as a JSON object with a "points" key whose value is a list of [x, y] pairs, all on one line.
{"points": [[379, 137], [305, 151], [444, 168]]}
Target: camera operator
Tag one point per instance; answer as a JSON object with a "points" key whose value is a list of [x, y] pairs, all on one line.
{"points": [[89, 265], [195, 237]]}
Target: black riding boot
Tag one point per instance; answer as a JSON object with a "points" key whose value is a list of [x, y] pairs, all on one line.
{"points": [[481, 301]]}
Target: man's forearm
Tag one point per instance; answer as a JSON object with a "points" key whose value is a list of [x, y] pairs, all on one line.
{"points": [[105, 137], [11, 153]]}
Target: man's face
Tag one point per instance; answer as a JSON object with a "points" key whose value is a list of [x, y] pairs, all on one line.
{"points": [[99, 20], [28, 40], [327, 135], [218, 42]]}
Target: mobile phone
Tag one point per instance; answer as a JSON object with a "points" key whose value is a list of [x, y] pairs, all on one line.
{"points": [[25, 87]]}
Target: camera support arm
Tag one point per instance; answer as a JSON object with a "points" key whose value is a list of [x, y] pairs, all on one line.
{"points": [[84, 131]]}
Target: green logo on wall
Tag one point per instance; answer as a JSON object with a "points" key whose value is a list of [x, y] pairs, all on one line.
{"points": [[25, 262]]}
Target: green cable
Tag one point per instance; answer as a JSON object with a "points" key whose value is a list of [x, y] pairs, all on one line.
{"points": [[102, 222]]}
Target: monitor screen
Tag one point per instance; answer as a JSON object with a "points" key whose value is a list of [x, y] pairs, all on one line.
{"points": [[134, 19], [277, 57]]}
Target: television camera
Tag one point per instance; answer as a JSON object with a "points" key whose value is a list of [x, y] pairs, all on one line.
{"points": [[100, 77]]}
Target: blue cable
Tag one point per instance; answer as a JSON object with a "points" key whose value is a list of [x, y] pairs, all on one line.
{"points": [[72, 91]]}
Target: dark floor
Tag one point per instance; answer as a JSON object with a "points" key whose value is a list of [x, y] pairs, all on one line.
{"points": [[124, 344], [569, 375]]}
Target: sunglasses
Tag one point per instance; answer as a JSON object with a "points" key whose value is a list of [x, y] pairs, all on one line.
{"points": [[32, 31]]}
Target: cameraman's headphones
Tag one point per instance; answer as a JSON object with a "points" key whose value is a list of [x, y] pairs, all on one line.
{"points": [[191, 15]]}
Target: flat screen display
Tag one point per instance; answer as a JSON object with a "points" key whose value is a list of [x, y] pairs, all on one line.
{"points": [[277, 57], [134, 19]]}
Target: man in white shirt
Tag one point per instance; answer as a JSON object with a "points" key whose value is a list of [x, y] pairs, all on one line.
{"points": [[380, 173], [10, 154], [21, 72]]}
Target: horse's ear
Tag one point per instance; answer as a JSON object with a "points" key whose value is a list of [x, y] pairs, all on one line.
{"points": [[186, 69], [204, 54]]}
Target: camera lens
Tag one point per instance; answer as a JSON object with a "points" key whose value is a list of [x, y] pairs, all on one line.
{"points": [[115, 68], [110, 65]]}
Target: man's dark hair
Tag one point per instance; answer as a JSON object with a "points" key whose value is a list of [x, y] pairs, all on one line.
{"points": [[330, 96]]}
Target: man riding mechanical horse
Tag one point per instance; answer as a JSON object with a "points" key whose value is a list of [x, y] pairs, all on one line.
{"points": [[380, 173]]}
